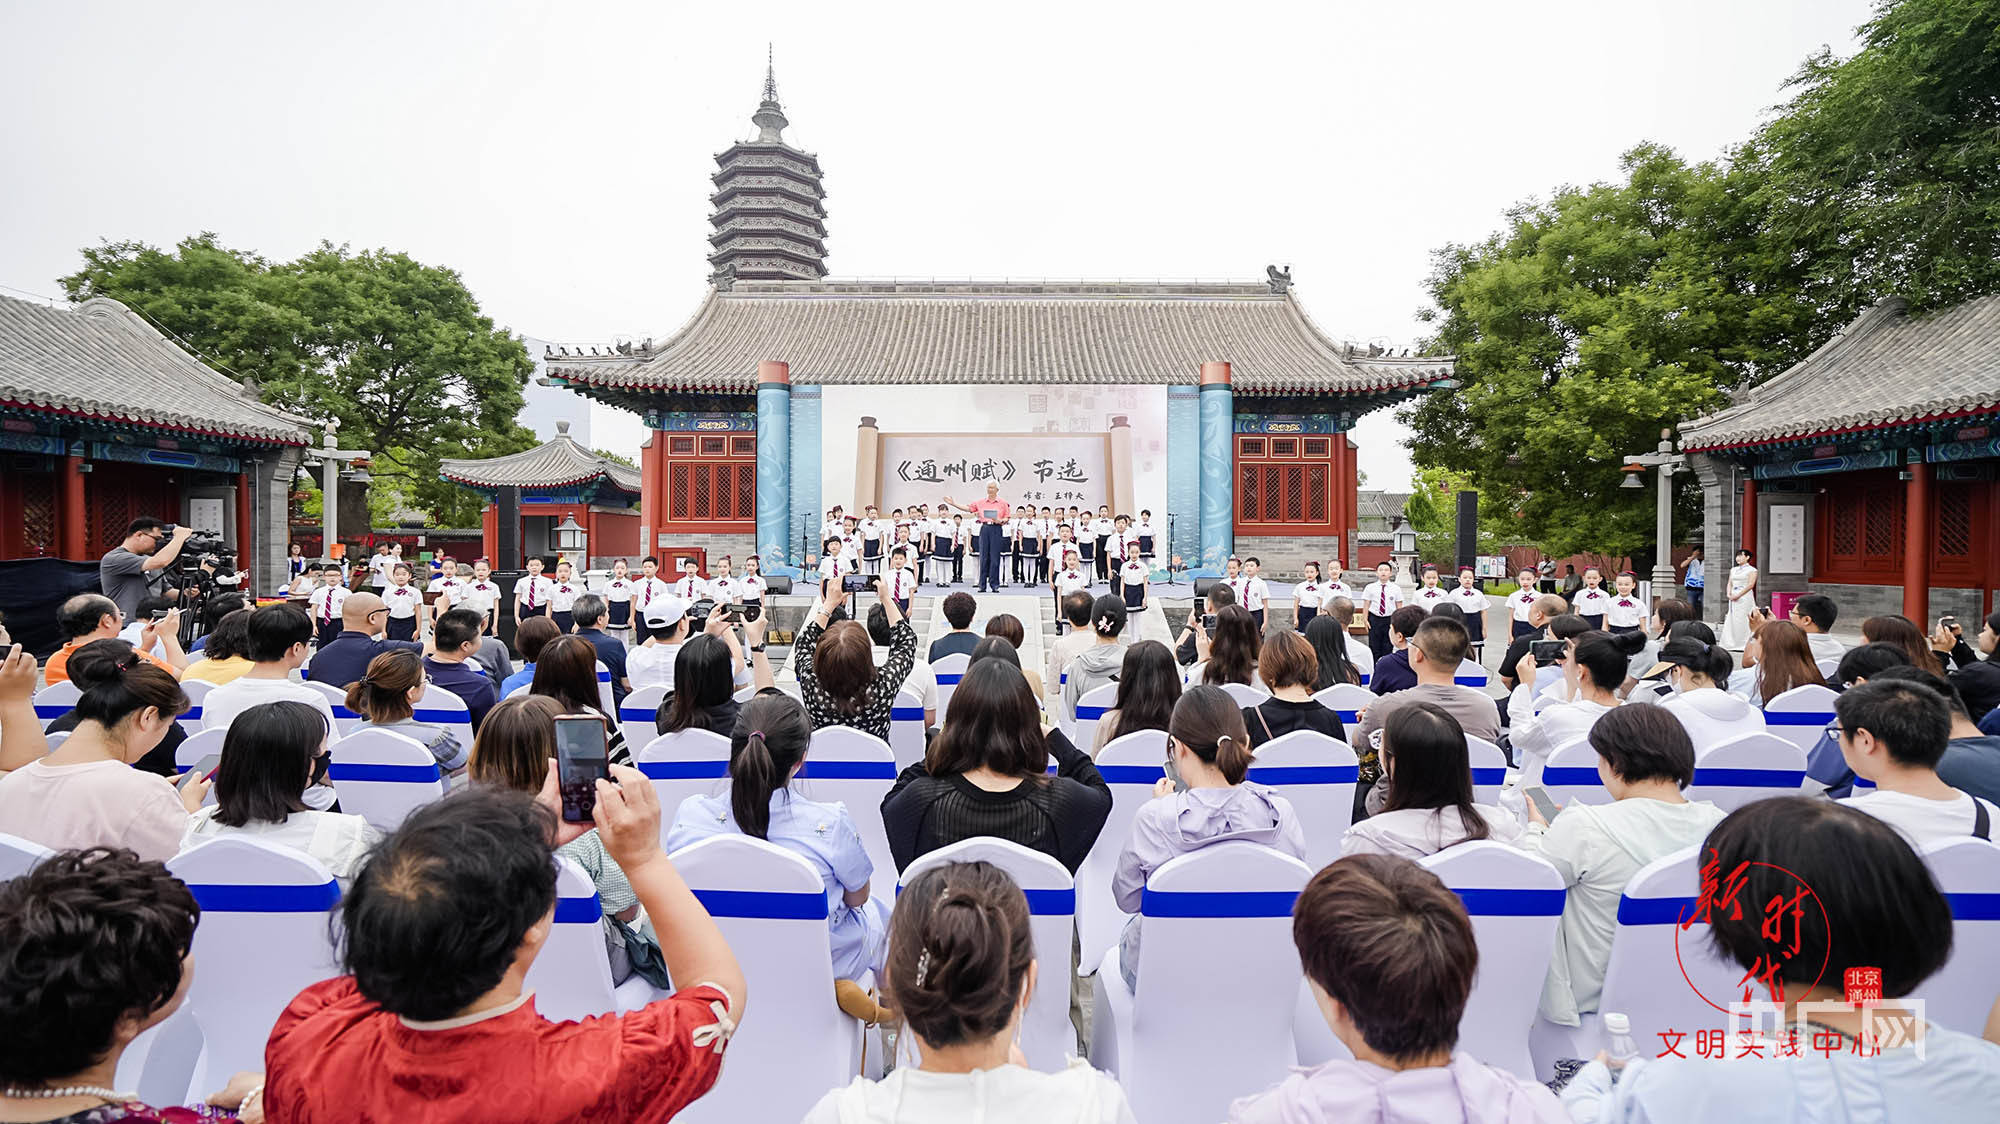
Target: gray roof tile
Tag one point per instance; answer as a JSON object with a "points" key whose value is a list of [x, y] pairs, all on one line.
{"points": [[900, 332], [560, 461], [1885, 368], [100, 359]]}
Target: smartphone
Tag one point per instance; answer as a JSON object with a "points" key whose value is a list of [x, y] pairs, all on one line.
{"points": [[1543, 804], [206, 767], [1174, 774], [583, 757], [161, 614], [858, 583], [1547, 653], [1950, 623], [1208, 622], [733, 613]]}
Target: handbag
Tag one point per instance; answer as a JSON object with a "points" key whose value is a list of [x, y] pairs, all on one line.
{"points": [[642, 955]]}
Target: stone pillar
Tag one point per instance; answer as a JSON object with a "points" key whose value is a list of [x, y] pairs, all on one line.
{"points": [[1721, 522], [1218, 467], [71, 530], [1121, 467], [1917, 543], [774, 464], [1749, 535], [868, 466], [271, 520]]}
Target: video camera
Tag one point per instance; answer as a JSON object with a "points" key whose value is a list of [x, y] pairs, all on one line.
{"points": [[199, 543]]}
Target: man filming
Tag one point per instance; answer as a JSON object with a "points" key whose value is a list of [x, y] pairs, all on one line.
{"points": [[132, 572]]}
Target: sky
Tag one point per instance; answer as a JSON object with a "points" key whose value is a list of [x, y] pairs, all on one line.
{"points": [[558, 154]]}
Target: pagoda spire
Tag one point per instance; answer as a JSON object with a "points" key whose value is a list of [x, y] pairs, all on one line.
{"points": [[769, 118], [769, 220]]}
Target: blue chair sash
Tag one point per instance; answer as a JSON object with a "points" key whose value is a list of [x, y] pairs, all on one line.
{"points": [[391, 774], [1216, 903], [229, 897], [579, 911], [770, 905], [1510, 902]]}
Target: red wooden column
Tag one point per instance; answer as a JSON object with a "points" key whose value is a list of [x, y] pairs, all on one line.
{"points": [[1917, 542], [246, 532], [70, 526], [1749, 539], [1343, 502], [652, 506]]}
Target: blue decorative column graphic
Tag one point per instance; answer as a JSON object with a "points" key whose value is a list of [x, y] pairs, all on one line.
{"points": [[1218, 467], [774, 464], [1183, 476], [806, 505]]}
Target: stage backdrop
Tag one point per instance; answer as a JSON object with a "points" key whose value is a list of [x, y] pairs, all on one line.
{"points": [[1029, 433]]}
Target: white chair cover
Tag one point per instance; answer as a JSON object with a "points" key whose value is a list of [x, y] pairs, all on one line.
{"points": [[18, 856], [772, 908], [1746, 769], [1047, 1037], [383, 776], [197, 746], [1245, 694], [1091, 706], [440, 707], [1130, 766], [571, 978], [1346, 700], [1188, 1043], [344, 720], [1800, 715], [906, 727], [636, 717], [682, 764], [197, 691], [1829, 669], [1516, 901], [949, 671], [605, 697], [56, 700], [1317, 774], [1571, 774], [1489, 769], [1471, 674], [1962, 993], [264, 936], [855, 768], [55, 739]]}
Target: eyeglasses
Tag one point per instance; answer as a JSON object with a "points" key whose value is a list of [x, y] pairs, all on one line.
{"points": [[1834, 730]]}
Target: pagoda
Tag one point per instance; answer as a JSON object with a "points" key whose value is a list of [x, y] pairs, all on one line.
{"points": [[770, 224]]}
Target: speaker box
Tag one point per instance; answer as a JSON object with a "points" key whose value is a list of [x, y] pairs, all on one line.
{"points": [[1468, 527]]}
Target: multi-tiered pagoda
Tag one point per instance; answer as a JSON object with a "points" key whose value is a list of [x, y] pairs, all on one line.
{"points": [[769, 222]]}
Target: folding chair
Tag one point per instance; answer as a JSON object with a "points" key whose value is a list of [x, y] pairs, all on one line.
{"points": [[1246, 695], [637, 713], [383, 776], [197, 746], [1961, 994], [906, 728], [571, 978], [682, 764], [344, 720], [1571, 774], [196, 690], [1470, 674], [1130, 765], [1347, 700], [1047, 1037], [772, 908], [56, 700], [440, 707], [1800, 715], [1515, 900], [1317, 774], [1489, 769], [1747, 769], [263, 938], [18, 856], [1091, 706], [606, 702], [855, 768], [949, 671], [1188, 1043]]}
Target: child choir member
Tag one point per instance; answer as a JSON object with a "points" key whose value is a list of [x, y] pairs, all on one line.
{"points": [[1626, 612], [1381, 599]]}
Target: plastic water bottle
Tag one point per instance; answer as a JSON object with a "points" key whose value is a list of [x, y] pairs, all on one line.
{"points": [[1621, 1049]]}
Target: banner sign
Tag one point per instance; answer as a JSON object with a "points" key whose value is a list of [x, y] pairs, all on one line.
{"points": [[1039, 468]]}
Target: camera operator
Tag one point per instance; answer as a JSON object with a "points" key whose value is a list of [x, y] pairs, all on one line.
{"points": [[133, 571]]}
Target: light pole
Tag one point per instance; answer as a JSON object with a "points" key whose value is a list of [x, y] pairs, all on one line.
{"points": [[329, 459], [571, 544], [1667, 462]]}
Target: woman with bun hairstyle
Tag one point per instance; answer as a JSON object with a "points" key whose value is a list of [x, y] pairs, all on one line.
{"points": [[1593, 668], [1098, 664], [961, 966], [1203, 799], [86, 793], [95, 672], [386, 698], [766, 750], [1698, 673]]}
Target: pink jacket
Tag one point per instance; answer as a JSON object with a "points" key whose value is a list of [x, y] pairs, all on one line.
{"points": [[1354, 1092]]}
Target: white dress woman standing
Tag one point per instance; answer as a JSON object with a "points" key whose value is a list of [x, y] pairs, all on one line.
{"points": [[1742, 599]]}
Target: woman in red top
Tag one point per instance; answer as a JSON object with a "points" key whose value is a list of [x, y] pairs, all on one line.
{"points": [[434, 1023]]}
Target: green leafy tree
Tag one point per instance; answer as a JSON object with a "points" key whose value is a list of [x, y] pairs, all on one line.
{"points": [[1882, 173], [620, 458], [1432, 511], [394, 350], [1586, 326]]}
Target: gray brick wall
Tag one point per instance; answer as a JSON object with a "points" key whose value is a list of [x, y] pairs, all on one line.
{"points": [[1858, 602], [1285, 556], [737, 546]]}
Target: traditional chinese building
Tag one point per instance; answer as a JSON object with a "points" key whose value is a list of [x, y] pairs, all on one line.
{"points": [[1867, 471], [557, 480], [103, 420], [1220, 408]]}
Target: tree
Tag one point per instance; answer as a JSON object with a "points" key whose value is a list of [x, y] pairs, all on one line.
{"points": [[1882, 173], [395, 350], [1432, 511], [1589, 324], [619, 458]]}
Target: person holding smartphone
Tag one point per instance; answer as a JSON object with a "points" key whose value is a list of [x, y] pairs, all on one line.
{"points": [[838, 679]]}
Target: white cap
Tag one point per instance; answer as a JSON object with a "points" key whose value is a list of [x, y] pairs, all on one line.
{"points": [[665, 612]]}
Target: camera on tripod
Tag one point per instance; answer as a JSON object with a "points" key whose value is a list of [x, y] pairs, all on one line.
{"points": [[199, 543]]}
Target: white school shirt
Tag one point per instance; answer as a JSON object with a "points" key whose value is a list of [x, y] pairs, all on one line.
{"points": [[1070, 581], [535, 592], [1520, 601], [618, 591], [962, 533], [1382, 598], [902, 583], [871, 529], [1058, 549], [1133, 573], [1590, 602], [723, 590], [753, 586], [1102, 528], [1430, 597], [1031, 528], [444, 587], [1308, 595], [1143, 529], [402, 601], [690, 588], [1470, 600], [479, 596], [645, 589], [1624, 611], [563, 594], [1334, 587], [1254, 592], [379, 566], [832, 528], [1235, 585], [326, 602]]}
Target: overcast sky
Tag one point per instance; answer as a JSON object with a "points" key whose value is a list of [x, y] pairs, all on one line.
{"points": [[558, 154]]}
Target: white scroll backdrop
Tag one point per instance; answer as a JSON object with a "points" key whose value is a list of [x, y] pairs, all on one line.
{"points": [[1047, 469]]}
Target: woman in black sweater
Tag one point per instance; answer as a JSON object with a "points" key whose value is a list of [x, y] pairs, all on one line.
{"points": [[985, 774], [1290, 667]]}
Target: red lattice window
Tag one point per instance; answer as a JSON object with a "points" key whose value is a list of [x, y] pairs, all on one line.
{"points": [[38, 513], [711, 482], [1954, 521], [1284, 485], [1861, 528], [1318, 447]]}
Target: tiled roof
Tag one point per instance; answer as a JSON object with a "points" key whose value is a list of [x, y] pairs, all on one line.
{"points": [[901, 332], [1884, 369], [554, 464], [99, 359]]}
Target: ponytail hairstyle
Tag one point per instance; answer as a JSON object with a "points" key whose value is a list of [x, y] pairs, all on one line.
{"points": [[1210, 724], [1432, 768], [382, 694], [770, 739], [1711, 661], [1607, 656], [959, 952], [1107, 616], [117, 684]]}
